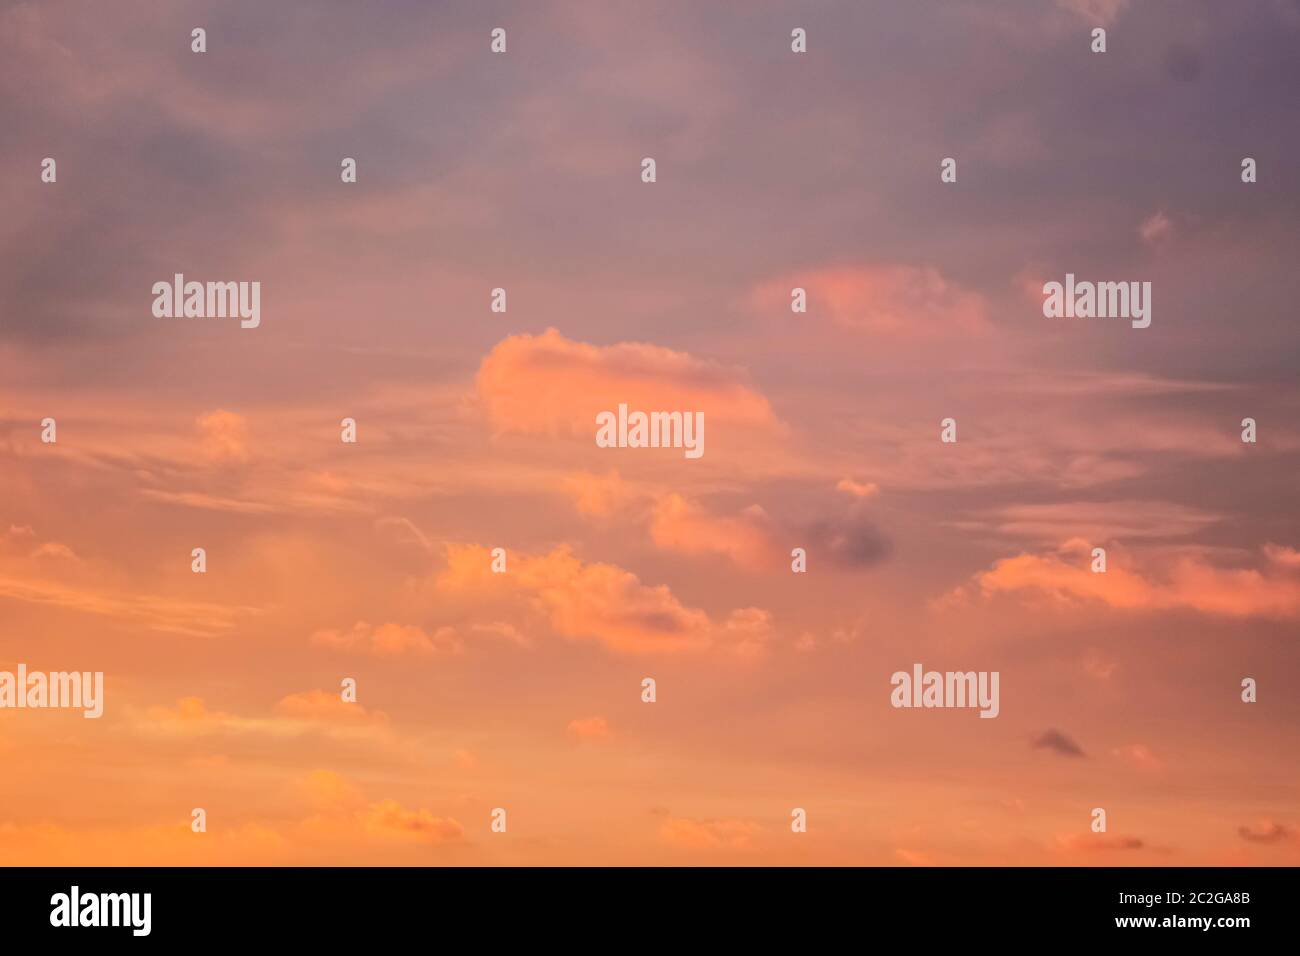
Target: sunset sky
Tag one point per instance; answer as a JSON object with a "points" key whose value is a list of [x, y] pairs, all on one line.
{"points": [[522, 690]]}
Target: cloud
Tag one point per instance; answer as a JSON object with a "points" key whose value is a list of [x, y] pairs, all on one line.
{"points": [[685, 527], [600, 601], [1098, 842], [389, 818], [332, 819], [889, 301], [589, 600], [391, 640], [1266, 831], [1156, 228], [505, 631], [224, 436], [1057, 742], [341, 810], [465, 760], [188, 714], [295, 715], [858, 489], [1140, 756], [405, 531], [1049, 413], [1065, 578], [56, 550], [852, 542], [1283, 557], [327, 707], [1097, 521], [599, 496], [1097, 12], [547, 384], [1098, 666], [749, 538], [747, 631], [52, 844], [590, 728], [675, 523], [206, 502], [696, 834], [327, 790], [189, 618]]}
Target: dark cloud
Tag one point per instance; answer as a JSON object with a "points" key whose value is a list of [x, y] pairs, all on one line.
{"points": [[1103, 842], [852, 543], [1265, 833], [1058, 742]]}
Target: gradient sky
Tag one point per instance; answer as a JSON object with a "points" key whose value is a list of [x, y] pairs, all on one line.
{"points": [[522, 690]]}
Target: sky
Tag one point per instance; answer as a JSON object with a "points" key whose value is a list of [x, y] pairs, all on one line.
{"points": [[522, 691]]}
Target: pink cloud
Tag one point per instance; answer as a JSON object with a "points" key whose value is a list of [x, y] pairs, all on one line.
{"points": [[391, 640], [590, 728], [224, 436], [1156, 228], [327, 707], [858, 489], [890, 301], [547, 384], [1065, 578], [683, 526], [596, 601], [695, 834]]}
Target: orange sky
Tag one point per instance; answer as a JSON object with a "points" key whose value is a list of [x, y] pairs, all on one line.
{"points": [[522, 690]]}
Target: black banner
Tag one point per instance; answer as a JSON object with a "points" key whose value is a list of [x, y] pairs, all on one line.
{"points": [[1151, 906]]}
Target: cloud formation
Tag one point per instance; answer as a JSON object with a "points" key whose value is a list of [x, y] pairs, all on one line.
{"points": [[391, 640], [594, 600], [708, 834], [548, 384], [888, 301], [1064, 578]]}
